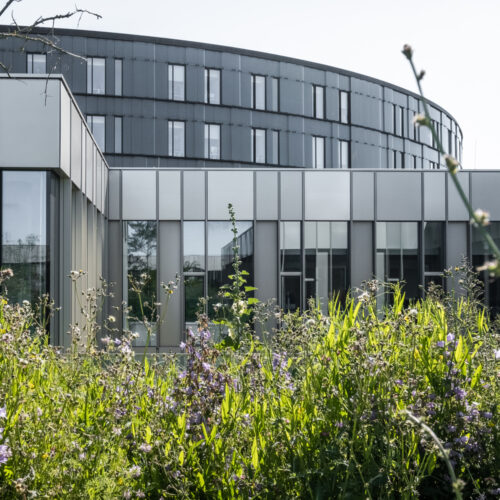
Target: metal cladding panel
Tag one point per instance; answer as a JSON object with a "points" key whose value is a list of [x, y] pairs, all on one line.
{"points": [[456, 208], [266, 198], [169, 242], [399, 196], [76, 147], [114, 194], [138, 195], [291, 96], [230, 187], [366, 111], [230, 87], [368, 156], [65, 128], [194, 83], [241, 145], [361, 253], [291, 195], [434, 196], [486, 192], [193, 195], [327, 195], [141, 134], [332, 104], [30, 113], [363, 195], [169, 193], [296, 149]]}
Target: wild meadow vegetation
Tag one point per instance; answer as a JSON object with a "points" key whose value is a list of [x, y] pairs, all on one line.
{"points": [[362, 403]]}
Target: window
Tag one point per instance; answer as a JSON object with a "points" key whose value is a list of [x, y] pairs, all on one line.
{"points": [[435, 125], [275, 94], [258, 92], [24, 223], [275, 145], [36, 63], [318, 152], [396, 159], [433, 252], [140, 249], [344, 107], [118, 77], [398, 120], [258, 145], [326, 261], [415, 162], [397, 255], [96, 124], [318, 101], [290, 266], [344, 160], [118, 134], [212, 141], [176, 135], [96, 78], [176, 82], [212, 86]]}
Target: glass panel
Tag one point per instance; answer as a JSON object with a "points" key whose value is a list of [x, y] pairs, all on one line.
{"points": [[193, 291], [318, 152], [260, 92], [176, 138], [141, 258], [176, 82], [319, 102], [97, 127], [344, 107], [213, 77], [290, 293], [275, 94], [434, 248], [275, 147], [212, 141], [96, 75], [260, 145], [290, 246], [194, 246], [344, 154], [37, 63], [24, 234], [118, 134], [118, 77], [220, 255]]}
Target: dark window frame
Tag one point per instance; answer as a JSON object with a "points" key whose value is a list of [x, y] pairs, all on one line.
{"points": [[254, 145], [348, 96], [253, 84], [315, 107], [207, 157], [170, 83], [315, 152], [169, 154], [90, 67], [206, 76], [28, 54]]}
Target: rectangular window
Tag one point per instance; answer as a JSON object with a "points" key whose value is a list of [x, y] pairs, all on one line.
{"points": [[140, 249], [415, 164], [318, 152], [398, 118], [118, 76], [318, 101], [397, 255], [258, 92], [36, 63], [344, 160], [118, 134], [212, 86], [176, 82], [344, 107], [275, 91], [96, 75], [258, 145], [275, 143], [212, 141], [97, 125], [290, 266], [434, 247], [176, 138]]}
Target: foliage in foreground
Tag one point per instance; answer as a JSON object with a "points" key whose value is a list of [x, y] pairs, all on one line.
{"points": [[319, 412]]}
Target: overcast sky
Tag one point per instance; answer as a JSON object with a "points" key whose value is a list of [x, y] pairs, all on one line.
{"points": [[455, 41]]}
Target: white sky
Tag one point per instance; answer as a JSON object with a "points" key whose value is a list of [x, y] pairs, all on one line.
{"points": [[455, 41]]}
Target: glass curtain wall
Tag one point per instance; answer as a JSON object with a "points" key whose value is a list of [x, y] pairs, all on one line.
{"points": [[397, 255], [434, 261], [140, 252], [25, 247], [480, 254]]}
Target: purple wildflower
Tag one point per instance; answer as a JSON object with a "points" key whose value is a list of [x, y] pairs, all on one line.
{"points": [[182, 345], [450, 337], [5, 453], [3, 412], [145, 447], [440, 343]]}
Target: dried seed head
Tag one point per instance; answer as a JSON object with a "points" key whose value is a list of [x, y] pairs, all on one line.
{"points": [[407, 51]]}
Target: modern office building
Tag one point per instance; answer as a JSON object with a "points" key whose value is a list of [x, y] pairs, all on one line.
{"points": [[331, 182]]}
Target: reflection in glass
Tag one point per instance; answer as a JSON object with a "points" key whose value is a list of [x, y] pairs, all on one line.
{"points": [[480, 254], [193, 291], [176, 82], [318, 152], [96, 124], [212, 86], [344, 154], [290, 246], [397, 255], [118, 134], [258, 92], [96, 75], [25, 248], [275, 94], [212, 141], [194, 246], [434, 247], [36, 63], [344, 107], [258, 145], [140, 247], [290, 293], [318, 101], [275, 143], [176, 136], [220, 255], [118, 77]]}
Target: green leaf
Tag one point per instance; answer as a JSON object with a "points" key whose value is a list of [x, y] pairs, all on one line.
{"points": [[148, 434], [475, 377], [252, 300], [250, 288], [255, 454]]}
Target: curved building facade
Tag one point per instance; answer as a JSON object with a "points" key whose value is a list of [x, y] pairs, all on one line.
{"points": [[331, 182]]}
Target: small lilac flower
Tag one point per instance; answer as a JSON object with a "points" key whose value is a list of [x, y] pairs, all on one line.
{"points": [[398, 382], [182, 345], [117, 342], [452, 428], [145, 447], [5, 453], [3, 412], [460, 393], [205, 334], [135, 471], [462, 440], [450, 337], [206, 366], [440, 343], [497, 354], [487, 415]]}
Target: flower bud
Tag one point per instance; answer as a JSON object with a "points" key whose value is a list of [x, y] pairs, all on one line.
{"points": [[407, 51], [451, 163]]}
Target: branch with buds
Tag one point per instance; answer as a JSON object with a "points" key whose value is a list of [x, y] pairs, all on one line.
{"points": [[479, 218]]}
